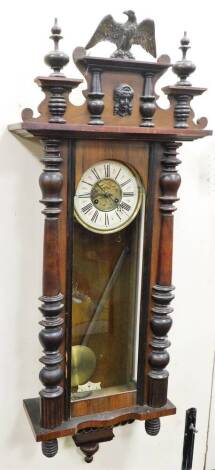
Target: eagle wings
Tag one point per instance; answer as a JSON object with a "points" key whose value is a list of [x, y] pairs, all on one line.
{"points": [[124, 35]]}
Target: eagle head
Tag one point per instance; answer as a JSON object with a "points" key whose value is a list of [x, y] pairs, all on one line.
{"points": [[130, 14]]}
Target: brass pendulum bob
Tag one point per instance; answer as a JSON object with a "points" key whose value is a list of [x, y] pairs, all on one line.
{"points": [[83, 364]]}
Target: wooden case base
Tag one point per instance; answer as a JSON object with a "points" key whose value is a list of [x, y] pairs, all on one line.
{"points": [[100, 420]]}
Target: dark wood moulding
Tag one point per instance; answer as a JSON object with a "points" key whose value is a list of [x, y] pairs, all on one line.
{"points": [[123, 65], [69, 131]]}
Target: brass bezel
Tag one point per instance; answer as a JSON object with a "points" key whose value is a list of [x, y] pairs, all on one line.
{"points": [[141, 199]]}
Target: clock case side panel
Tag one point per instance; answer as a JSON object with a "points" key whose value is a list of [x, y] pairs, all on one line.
{"points": [[68, 282], [150, 266]]}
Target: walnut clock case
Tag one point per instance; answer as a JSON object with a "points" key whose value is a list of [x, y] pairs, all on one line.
{"points": [[109, 187]]}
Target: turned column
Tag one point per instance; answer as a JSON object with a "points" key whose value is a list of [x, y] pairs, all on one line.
{"points": [[51, 375], [95, 98], [162, 292], [147, 102]]}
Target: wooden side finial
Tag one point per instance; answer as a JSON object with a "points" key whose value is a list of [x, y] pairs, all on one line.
{"points": [[183, 92], [56, 59], [184, 67]]}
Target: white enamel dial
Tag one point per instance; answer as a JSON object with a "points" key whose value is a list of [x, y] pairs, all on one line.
{"points": [[108, 197]]}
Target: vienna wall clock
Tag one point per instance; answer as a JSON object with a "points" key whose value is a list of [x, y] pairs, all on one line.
{"points": [[109, 188]]}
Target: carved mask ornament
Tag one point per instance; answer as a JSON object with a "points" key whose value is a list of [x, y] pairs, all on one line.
{"points": [[123, 96]]}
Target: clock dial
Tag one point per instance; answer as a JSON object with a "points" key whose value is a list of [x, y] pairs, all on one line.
{"points": [[108, 197]]}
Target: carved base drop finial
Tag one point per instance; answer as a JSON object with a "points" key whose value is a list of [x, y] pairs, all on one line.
{"points": [[88, 440], [89, 450]]}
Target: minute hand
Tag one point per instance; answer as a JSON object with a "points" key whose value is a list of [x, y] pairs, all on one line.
{"points": [[101, 188], [105, 193]]}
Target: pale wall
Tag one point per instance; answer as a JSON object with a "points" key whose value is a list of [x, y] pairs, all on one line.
{"points": [[25, 29]]}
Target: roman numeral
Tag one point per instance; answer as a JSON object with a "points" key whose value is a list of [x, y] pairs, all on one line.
{"points": [[107, 170], [87, 208], [95, 216], [118, 215], [86, 182], [127, 194], [125, 206], [106, 220], [84, 195], [117, 174], [125, 182], [95, 172]]}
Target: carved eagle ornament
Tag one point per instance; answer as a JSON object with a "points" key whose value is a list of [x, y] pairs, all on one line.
{"points": [[124, 35]]}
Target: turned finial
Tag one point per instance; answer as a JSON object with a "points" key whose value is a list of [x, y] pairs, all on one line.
{"points": [[56, 59], [184, 45], [184, 67]]}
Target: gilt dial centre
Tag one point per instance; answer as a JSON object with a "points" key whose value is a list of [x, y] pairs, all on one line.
{"points": [[106, 194]]}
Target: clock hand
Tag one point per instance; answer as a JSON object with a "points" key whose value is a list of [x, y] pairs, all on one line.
{"points": [[101, 188], [104, 192], [100, 194]]}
